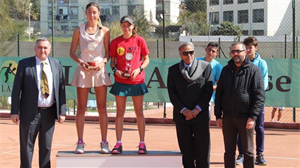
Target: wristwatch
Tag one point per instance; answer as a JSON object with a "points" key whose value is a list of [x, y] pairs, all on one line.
{"points": [[141, 69], [114, 69]]}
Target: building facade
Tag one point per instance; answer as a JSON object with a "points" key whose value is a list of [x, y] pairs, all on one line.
{"points": [[255, 17], [69, 14]]}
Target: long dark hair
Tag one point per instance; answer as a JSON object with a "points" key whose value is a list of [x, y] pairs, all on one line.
{"points": [[98, 7], [134, 31]]}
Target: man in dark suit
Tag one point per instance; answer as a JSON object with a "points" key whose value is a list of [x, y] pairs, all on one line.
{"points": [[190, 88], [38, 98]]}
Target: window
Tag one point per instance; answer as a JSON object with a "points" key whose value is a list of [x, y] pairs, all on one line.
{"points": [[258, 15], [243, 16], [50, 12], [214, 17], [228, 16], [213, 2], [242, 1], [115, 10], [131, 8], [227, 2], [258, 0], [105, 11], [115, 13], [64, 27], [74, 25], [74, 10], [258, 32], [245, 32]]}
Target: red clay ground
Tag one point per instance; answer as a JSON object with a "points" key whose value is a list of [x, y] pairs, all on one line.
{"points": [[282, 146]]}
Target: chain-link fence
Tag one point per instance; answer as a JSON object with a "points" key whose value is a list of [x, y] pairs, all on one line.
{"points": [[163, 24]]}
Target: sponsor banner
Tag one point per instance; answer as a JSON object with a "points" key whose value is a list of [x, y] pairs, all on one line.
{"points": [[283, 90]]}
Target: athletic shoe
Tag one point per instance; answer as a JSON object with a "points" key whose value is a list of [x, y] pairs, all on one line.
{"points": [[80, 148], [117, 149], [240, 159], [142, 148], [104, 147], [260, 160]]}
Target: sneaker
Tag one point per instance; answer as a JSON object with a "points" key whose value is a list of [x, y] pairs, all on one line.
{"points": [[240, 159], [142, 148], [260, 160], [104, 147], [117, 149], [79, 148]]}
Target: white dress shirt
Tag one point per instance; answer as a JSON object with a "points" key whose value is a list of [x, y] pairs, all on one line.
{"points": [[42, 101]]}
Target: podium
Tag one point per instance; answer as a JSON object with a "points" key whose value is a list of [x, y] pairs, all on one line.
{"points": [[128, 159]]}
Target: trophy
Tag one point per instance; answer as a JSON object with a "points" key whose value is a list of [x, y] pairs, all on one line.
{"points": [[91, 64], [127, 72]]}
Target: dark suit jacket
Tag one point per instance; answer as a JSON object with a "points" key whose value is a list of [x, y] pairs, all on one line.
{"points": [[25, 89], [189, 94]]}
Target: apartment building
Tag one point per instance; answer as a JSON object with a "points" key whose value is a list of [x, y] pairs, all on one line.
{"points": [[69, 14], [255, 17], [171, 8]]}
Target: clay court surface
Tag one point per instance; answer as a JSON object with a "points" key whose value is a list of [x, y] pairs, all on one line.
{"points": [[282, 146]]}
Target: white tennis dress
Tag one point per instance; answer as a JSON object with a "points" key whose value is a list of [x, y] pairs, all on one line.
{"points": [[91, 47]]}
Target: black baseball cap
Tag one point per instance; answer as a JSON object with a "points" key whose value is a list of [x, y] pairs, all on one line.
{"points": [[127, 18]]}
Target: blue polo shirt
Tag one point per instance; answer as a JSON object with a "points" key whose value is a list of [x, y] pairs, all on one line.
{"points": [[262, 64], [216, 72]]}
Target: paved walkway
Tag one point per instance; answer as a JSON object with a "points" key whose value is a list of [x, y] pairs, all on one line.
{"points": [[282, 146]]}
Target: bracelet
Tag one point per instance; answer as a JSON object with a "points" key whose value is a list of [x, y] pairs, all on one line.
{"points": [[114, 69], [141, 69]]}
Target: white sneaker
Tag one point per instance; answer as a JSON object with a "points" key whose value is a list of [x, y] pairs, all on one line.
{"points": [[104, 148], [79, 148]]}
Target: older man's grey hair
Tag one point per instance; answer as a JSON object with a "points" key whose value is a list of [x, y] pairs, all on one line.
{"points": [[42, 39], [185, 43], [242, 44]]}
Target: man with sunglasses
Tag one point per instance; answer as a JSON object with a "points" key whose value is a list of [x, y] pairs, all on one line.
{"points": [[211, 52], [190, 89], [252, 46], [239, 98]]}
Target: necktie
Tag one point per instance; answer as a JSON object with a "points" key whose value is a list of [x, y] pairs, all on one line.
{"points": [[44, 83], [188, 70]]}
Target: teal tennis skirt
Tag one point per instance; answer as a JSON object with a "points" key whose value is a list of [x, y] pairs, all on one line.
{"points": [[120, 89]]}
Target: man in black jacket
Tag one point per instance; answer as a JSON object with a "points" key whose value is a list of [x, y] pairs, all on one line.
{"points": [[190, 88], [239, 98]]}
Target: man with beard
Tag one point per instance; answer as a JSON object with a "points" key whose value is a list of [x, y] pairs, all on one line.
{"points": [[239, 98]]}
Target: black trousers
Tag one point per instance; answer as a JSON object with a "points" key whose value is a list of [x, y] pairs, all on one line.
{"points": [[231, 128], [194, 144], [43, 127]]}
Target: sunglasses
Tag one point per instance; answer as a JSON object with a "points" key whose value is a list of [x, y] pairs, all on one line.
{"points": [[236, 51], [186, 53]]}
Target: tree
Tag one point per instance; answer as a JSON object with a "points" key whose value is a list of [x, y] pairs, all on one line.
{"points": [[143, 25], [9, 28], [228, 28], [115, 29], [195, 5], [193, 22]]}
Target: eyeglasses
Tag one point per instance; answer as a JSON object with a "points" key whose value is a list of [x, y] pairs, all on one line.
{"points": [[212, 51], [186, 53], [236, 51]]}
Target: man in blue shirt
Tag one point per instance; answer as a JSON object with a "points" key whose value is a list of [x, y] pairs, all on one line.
{"points": [[252, 46], [211, 52]]}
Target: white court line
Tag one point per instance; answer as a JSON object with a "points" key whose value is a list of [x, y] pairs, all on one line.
{"points": [[271, 157], [9, 152]]}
